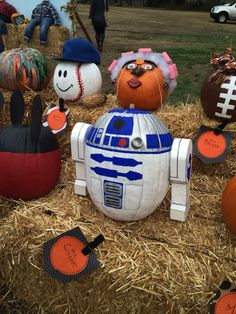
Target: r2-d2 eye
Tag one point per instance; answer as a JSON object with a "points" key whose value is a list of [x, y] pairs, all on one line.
{"points": [[137, 143]]}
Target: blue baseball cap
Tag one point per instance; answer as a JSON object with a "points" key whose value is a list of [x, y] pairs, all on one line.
{"points": [[80, 50]]}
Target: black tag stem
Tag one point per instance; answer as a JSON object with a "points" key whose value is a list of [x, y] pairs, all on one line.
{"points": [[93, 244], [61, 105], [221, 127]]}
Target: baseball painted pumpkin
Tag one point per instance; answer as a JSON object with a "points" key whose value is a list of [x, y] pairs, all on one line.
{"points": [[74, 81], [228, 205], [144, 79], [30, 161], [218, 93], [23, 69]]}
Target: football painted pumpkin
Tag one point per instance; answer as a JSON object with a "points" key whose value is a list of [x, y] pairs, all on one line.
{"points": [[144, 79], [24, 69], [30, 161], [228, 205], [218, 93]]}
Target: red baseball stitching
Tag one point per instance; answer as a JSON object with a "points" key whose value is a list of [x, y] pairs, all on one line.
{"points": [[80, 83]]}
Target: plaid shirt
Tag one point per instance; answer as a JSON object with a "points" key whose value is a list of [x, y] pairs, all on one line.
{"points": [[7, 9], [46, 9]]}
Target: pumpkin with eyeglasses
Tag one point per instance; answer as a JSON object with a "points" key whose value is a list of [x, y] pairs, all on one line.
{"points": [[144, 79]]}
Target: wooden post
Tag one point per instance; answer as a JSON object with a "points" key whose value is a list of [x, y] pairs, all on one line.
{"points": [[72, 8], [83, 27]]}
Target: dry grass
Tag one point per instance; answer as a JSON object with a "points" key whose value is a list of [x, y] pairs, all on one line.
{"points": [[154, 265], [56, 38]]}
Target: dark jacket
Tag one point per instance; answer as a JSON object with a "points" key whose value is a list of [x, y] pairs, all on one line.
{"points": [[97, 12], [46, 9]]}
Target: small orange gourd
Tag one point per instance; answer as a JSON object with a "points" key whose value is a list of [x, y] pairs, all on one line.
{"points": [[228, 205]]}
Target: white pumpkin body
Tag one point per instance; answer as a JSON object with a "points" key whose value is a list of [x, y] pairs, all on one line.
{"points": [[74, 81], [127, 157]]}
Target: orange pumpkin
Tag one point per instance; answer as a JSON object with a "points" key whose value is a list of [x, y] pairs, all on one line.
{"points": [[228, 205], [142, 84]]}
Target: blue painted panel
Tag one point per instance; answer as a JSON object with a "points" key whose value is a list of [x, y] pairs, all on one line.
{"points": [[91, 132], [97, 140], [166, 140], [98, 136], [152, 141], [106, 140], [26, 8], [115, 142], [120, 125]]}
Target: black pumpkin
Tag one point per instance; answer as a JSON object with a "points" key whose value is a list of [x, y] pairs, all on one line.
{"points": [[30, 162]]}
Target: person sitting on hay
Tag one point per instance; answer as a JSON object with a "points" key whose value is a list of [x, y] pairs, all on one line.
{"points": [[44, 15], [6, 11]]}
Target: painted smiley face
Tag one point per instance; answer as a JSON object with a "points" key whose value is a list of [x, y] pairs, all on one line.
{"points": [[74, 81], [66, 81]]}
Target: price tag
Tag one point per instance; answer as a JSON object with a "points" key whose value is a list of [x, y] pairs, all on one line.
{"points": [[224, 302], [70, 256], [56, 119], [211, 147]]}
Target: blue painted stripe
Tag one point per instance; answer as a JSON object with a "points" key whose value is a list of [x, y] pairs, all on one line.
{"points": [[129, 151], [118, 161], [189, 167], [115, 141], [132, 111], [106, 140], [112, 173]]}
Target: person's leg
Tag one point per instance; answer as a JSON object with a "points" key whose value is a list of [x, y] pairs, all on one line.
{"points": [[30, 28], [44, 27], [101, 38]]}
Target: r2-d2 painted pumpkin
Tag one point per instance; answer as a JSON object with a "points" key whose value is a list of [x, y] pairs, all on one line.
{"points": [[126, 162]]}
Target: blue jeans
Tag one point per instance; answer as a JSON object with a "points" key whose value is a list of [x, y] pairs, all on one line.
{"points": [[44, 26]]}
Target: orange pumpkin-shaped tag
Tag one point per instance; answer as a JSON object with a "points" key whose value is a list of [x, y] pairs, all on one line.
{"points": [[141, 83], [228, 205]]}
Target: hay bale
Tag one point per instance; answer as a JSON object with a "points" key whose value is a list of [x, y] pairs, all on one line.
{"points": [[154, 265], [57, 35]]}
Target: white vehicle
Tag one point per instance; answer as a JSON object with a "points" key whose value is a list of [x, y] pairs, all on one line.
{"points": [[222, 13]]}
